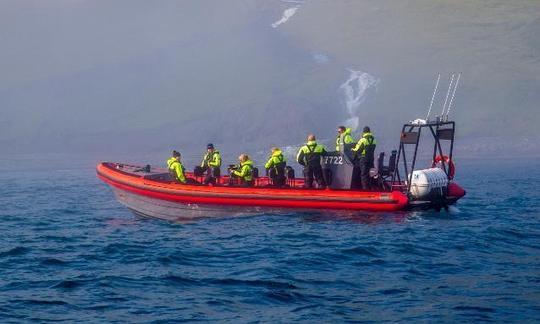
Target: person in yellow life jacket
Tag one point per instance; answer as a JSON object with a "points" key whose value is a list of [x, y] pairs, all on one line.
{"points": [[364, 153], [244, 171], [343, 137], [211, 164], [309, 156], [276, 167], [176, 168]]}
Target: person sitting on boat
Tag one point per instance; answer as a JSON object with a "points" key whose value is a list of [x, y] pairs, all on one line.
{"points": [[309, 156], [177, 170], [211, 164], [276, 167], [364, 153], [244, 172], [343, 137]]}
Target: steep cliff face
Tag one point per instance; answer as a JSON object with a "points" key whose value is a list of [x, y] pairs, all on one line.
{"points": [[405, 43], [182, 74], [246, 74]]}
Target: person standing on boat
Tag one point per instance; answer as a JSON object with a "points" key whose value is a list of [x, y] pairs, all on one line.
{"points": [[309, 156], [176, 168], [343, 137], [244, 171], [364, 153], [211, 164], [276, 167]]}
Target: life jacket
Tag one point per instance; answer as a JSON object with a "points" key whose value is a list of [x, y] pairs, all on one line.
{"points": [[276, 160], [246, 171], [366, 146], [170, 162], [176, 169], [310, 154], [211, 159], [344, 138]]}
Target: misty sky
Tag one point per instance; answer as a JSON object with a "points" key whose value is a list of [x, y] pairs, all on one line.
{"points": [[124, 76]]}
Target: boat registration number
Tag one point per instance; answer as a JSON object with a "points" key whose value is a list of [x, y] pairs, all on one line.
{"points": [[333, 160]]}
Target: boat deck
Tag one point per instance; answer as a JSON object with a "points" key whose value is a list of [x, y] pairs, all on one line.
{"points": [[162, 175]]}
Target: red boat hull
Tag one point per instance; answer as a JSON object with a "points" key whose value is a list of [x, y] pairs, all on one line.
{"points": [[146, 194]]}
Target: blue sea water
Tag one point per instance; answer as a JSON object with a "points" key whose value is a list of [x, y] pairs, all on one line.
{"points": [[70, 252]]}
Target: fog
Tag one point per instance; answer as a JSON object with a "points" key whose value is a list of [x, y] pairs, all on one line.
{"points": [[121, 78]]}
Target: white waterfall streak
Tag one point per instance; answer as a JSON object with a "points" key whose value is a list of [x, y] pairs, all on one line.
{"points": [[287, 14], [354, 90]]}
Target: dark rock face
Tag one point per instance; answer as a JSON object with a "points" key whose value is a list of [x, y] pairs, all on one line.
{"points": [[183, 75]]}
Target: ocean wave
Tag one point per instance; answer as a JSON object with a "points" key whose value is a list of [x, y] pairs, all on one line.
{"points": [[19, 250], [106, 265], [70, 284], [42, 301], [270, 284], [180, 280], [285, 296], [53, 262], [370, 251]]}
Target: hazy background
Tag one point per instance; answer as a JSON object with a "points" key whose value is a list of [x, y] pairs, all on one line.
{"points": [[111, 79]]}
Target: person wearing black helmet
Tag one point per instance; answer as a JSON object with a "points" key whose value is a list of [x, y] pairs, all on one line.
{"points": [[211, 164]]}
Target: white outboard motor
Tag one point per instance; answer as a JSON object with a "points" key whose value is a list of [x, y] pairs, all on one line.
{"points": [[429, 183]]}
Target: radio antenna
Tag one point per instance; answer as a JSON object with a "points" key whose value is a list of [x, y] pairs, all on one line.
{"points": [[433, 96], [453, 94], [447, 94]]}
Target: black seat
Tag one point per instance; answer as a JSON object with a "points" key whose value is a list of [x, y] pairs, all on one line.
{"points": [[386, 171], [255, 173], [289, 174], [198, 171], [255, 176], [380, 162], [392, 162]]}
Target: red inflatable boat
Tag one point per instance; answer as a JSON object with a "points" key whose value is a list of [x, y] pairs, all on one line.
{"points": [[155, 194], [152, 192]]}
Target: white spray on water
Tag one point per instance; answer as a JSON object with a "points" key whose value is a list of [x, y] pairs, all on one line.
{"points": [[355, 92]]}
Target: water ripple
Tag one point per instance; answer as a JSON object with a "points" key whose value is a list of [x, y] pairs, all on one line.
{"points": [[19, 250], [76, 255]]}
